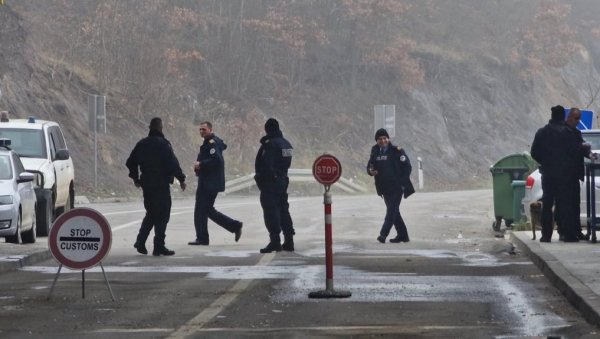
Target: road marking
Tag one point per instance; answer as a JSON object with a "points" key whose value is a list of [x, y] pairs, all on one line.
{"points": [[218, 305], [136, 330]]}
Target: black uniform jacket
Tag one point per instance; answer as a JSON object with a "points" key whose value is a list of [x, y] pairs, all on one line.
{"points": [[273, 160], [211, 176], [555, 149], [156, 161], [393, 169]]}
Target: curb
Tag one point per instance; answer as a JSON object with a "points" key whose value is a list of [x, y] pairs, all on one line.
{"points": [[578, 294], [20, 261]]}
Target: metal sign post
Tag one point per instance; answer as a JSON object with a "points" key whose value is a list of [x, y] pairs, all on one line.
{"points": [[327, 169], [80, 239], [97, 123]]}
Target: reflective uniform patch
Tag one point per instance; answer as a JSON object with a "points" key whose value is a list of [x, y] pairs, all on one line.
{"points": [[212, 151], [286, 152], [403, 158]]}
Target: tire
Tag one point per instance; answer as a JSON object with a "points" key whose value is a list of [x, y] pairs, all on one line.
{"points": [[44, 213], [16, 239], [29, 236]]}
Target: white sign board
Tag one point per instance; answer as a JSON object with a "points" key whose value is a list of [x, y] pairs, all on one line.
{"points": [[80, 238]]}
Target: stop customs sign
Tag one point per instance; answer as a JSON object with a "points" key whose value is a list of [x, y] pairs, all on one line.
{"points": [[327, 169], [80, 238]]}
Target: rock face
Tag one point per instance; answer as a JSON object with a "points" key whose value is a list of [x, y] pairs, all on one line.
{"points": [[472, 108]]}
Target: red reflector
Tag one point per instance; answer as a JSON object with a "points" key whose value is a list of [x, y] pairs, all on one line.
{"points": [[529, 183]]}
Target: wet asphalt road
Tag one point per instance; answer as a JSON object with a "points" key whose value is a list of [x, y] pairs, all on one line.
{"points": [[454, 279]]}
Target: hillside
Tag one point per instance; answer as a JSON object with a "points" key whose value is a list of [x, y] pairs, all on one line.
{"points": [[471, 80]]}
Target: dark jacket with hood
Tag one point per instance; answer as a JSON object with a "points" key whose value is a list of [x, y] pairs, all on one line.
{"points": [[273, 160], [211, 176], [156, 161], [393, 167]]}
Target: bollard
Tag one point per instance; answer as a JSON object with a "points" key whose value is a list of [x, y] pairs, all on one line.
{"points": [[329, 292]]}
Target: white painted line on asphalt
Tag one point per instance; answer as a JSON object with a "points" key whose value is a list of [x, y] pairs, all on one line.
{"points": [[138, 222], [218, 305], [136, 330]]}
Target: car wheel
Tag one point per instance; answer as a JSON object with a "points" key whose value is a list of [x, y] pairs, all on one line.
{"points": [[44, 217], [16, 239], [29, 236]]}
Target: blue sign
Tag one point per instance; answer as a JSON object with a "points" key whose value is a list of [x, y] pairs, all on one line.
{"points": [[587, 119]]}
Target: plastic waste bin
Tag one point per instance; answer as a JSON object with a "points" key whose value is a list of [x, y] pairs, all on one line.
{"points": [[518, 187], [504, 172]]}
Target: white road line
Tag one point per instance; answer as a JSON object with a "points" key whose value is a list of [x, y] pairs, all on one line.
{"points": [[218, 305], [137, 222]]}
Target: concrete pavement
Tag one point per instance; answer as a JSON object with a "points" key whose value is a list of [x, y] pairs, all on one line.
{"points": [[572, 268]]}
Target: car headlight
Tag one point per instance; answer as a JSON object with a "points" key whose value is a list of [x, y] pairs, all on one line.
{"points": [[6, 199]]}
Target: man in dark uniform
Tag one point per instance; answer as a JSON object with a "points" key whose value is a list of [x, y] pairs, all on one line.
{"points": [[551, 149], [210, 169], [576, 172], [273, 160], [391, 168], [155, 159]]}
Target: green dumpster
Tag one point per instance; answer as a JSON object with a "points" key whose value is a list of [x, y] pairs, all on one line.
{"points": [[504, 172], [518, 187]]}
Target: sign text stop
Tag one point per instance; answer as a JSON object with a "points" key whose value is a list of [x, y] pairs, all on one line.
{"points": [[327, 169]]}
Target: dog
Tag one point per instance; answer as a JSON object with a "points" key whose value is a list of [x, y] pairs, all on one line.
{"points": [[535, 208], [536, 216]]}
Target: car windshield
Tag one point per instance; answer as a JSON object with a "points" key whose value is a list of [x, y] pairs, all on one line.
{"points": [[28, 143], [5, 168]]}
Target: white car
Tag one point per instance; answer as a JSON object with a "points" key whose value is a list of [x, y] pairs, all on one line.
{"points": [[17, 198], [43, 150], [533, 185]]}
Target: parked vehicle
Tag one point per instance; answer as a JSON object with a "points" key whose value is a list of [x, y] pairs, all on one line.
{"points": [[43, 150], [533, 186], [17, 198]]}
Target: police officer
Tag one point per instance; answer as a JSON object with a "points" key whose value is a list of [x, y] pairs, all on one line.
{"points": [[553, 151], [576, 172], [210, 169], [158, 165], [273, 160], [391, 168]]}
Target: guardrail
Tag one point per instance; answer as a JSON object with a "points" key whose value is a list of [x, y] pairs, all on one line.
{"points": [[295, 175]]}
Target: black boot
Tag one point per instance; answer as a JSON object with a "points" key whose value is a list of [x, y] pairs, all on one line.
{"points": [[271, 247], [162, 251], [288, 244], [141, 248]]}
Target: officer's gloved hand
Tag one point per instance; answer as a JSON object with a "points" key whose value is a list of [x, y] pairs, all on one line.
{"points": [[137, 183]]}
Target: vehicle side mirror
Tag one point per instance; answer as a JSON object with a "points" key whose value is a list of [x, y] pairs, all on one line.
{"points": [[62, 154], [25, 177]]}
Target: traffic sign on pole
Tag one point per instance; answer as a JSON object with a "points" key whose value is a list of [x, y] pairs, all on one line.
{"points": [[327, 169]]}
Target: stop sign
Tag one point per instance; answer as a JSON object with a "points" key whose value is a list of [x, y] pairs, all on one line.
{"points": [[327, 169]]}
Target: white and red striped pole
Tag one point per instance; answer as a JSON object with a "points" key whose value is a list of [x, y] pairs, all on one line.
{"points": [[329, 292]]}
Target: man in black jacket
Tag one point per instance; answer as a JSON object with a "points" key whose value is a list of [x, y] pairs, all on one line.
{"points": [[554, 151], [273, 160], [158, 165], [210, 169], [391, 168]]}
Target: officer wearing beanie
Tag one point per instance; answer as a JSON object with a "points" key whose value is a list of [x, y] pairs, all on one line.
{"points": [[391, 168], [273, 160]]}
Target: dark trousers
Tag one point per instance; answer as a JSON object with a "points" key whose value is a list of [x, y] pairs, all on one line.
{"points": [[392, 215], [157, 202], [204, 209], [276, 212], [559, 193], [573, 198]]}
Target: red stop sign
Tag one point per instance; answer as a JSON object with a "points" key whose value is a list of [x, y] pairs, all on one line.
{"points": [[327, 169]]}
